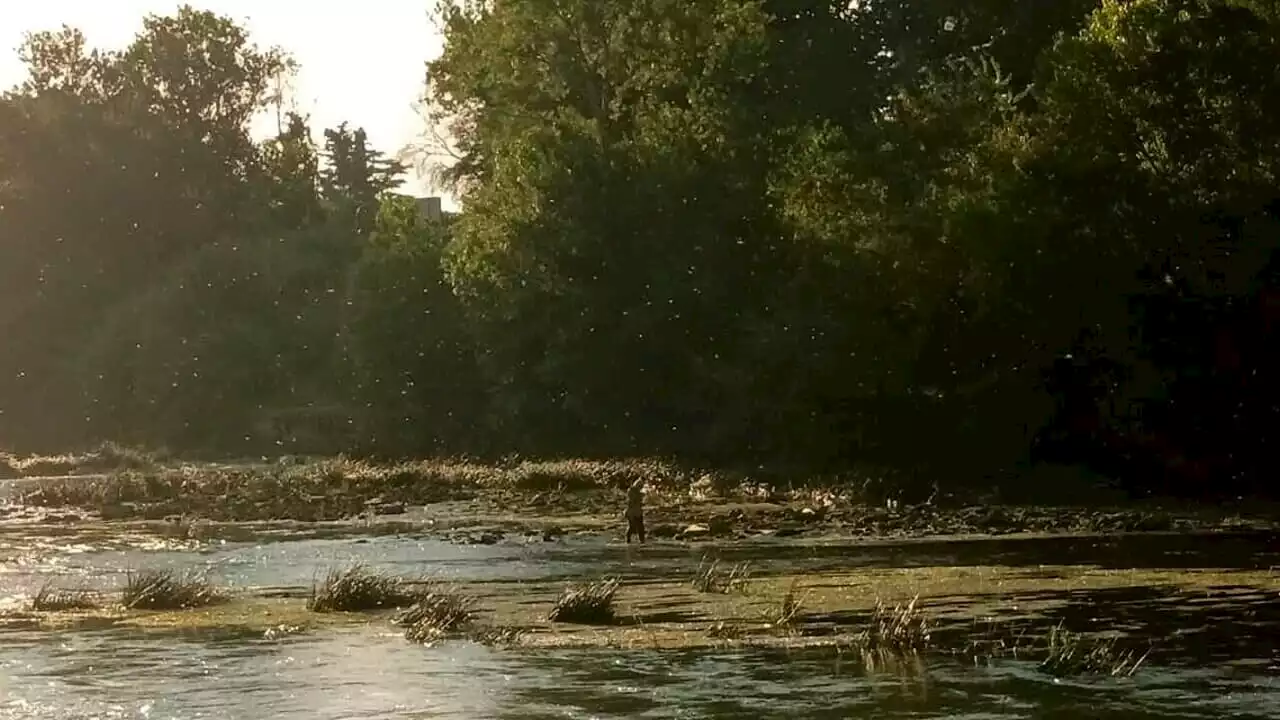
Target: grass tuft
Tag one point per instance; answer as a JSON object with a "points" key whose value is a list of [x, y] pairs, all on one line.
{"points": [[788, 609], [709, 578], [902, 628], [435, 615], [587, 605], [1075, 654], [357, 589], [497, 636], [165, 590], [52, 599]]}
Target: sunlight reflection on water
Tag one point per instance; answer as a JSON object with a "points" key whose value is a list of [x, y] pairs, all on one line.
{"points": [[373, 673]]}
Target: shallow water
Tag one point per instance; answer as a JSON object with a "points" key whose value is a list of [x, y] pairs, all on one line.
{"points": [[370, 671], [365, 673]]}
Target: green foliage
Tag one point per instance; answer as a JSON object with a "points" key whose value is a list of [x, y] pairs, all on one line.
{"points": [[764, 231], [413, 356]]}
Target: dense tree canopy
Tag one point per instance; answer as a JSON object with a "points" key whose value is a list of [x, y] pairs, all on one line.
{"points": [[945, 239]]}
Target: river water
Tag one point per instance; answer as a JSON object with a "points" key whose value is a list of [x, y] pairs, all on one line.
{"points": [[370, 671]]}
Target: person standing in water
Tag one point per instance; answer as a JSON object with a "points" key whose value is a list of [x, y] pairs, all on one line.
{"points": [[635, 510]]}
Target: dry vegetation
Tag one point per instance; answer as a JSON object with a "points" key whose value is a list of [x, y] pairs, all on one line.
{"points": [[166, 590], [50, 598], [358, 589], [134, 484], [107, 457], [334, 488], [590, 604], [786, 613], [437, 614], [711, 578]]}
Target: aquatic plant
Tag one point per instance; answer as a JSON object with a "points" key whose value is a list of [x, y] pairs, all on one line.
{"points": [[709, 578], [435, 614], [590, 604], [990, 638], [496, 636], [1072, 653], [53, 599], [904, 628], [166, 590], [726, 630], [357, 589], [788, 608]]}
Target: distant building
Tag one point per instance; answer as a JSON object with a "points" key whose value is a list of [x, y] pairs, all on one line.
{"points": [[430, 208]]}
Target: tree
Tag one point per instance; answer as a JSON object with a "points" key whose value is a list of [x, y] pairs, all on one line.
{"points": [[355, 176], [415, 360]]}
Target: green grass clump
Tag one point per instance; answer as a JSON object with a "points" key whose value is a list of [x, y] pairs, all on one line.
{"points": [[1075, 654], [166, 590], [53, 599], [437, 614], [709, 578], [358, 589], [591, 604]]}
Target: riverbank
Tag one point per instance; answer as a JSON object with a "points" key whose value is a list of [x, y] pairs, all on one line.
{"points": [[557, 497]]}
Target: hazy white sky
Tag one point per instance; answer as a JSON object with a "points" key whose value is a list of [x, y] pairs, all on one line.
{"points": [[361, 61]]}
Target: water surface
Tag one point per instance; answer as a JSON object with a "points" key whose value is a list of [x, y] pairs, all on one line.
{"points": [[370, 671]]}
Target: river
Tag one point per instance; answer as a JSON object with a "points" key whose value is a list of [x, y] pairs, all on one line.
{"points": [[369, 671]]}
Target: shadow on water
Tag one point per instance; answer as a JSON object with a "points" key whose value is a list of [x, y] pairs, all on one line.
{"points": [[1190, 628], [1178, 627], [1235, 550], [809, 684]]}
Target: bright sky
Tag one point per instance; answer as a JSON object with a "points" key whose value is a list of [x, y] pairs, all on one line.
{"points": [[360, 62]]}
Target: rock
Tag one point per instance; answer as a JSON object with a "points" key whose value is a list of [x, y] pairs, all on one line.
{"points": [[720, 525], [115, 512], [695, 531], [664, 530], [489, 537], [390, 508], [552, 534]]}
